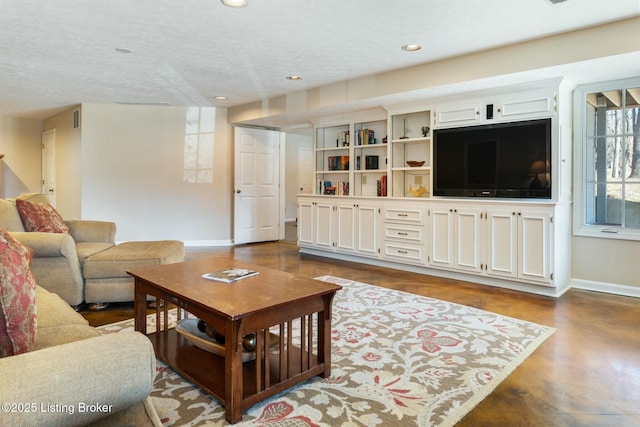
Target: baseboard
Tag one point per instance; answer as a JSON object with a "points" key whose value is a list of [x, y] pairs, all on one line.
{"points": [[200, 243], [607, 288], [422, 269]]}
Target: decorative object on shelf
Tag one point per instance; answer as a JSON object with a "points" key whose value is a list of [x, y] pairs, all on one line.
{"points": [[371, 162], [405, 130], [415, 163], [366, 137], [338, 163], [417, 190], [384, 140], [425, 131], [343, 139], [382, 186]]}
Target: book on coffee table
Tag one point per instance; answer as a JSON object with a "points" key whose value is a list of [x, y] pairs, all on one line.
{"points": [[230, 275]]}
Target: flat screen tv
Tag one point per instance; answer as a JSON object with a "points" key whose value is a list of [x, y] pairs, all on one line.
{"points": [[505, 160]]}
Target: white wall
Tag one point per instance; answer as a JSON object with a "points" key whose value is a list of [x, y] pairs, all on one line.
{"points": [[20, 142], [133, 173]]}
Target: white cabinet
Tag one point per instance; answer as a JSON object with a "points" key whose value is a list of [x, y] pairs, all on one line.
{"points": [[456, 237], [356, 228], [529, 104], [519, 244], [526, 105], [337, 225], [458, 114], [315, 222], [404, 234]]}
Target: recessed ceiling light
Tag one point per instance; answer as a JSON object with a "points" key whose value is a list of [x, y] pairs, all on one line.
{"points": [[123, 50], [294, 78], [220, 97], [411, 47], [234, 3]]}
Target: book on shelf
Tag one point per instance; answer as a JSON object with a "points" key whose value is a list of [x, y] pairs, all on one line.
{"points": [[230, 275]]}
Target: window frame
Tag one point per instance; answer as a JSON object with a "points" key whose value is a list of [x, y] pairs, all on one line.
{"points": [[580, 225]]}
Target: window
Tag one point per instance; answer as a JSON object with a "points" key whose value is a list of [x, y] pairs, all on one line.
{"points": [[607, 170]]}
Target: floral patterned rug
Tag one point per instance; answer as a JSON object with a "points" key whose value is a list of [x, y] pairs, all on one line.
{"points": [[397, 359]]}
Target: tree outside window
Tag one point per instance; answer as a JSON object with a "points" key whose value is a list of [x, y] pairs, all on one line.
{"points": [[612, 159]]}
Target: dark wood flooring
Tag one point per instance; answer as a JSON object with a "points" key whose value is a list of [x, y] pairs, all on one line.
{"points": [[587, 374]]}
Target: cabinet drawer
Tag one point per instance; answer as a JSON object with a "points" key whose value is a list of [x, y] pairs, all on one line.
{"points": [[408, 252], [414, 216], [410, 234]]}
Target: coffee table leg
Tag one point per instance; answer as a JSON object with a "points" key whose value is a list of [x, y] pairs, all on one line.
{"points": [[233, 372], [139, 306], [324, 344]]}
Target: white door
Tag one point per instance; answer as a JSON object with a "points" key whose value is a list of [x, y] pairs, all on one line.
{"points": [[49, 165], [257, 185]]}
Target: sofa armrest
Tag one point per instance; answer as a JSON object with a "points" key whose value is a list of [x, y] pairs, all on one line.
{"points": [[47, 244], [92, 231], [55, 264], [58, 385]]}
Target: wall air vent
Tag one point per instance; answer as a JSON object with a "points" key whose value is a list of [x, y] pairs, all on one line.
{"points": [[76, 119]]}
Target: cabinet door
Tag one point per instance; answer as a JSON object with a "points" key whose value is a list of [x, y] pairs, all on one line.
{"points": [[442, 237], [526, 106], [534, 235], [367, 233], [468, 239], [454, 115], [323, 224], [306, 224], [346, 227], [502, 241]]}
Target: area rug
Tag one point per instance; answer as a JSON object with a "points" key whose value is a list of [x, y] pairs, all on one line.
{"points": [[398, 359]]}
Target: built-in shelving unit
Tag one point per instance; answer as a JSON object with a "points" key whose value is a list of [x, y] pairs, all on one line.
{"points": [[514, 243], [410, 149]]}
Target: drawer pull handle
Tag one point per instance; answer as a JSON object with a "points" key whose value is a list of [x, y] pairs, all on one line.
{"points": [[402, 234], [402, 252], [402, 214]]}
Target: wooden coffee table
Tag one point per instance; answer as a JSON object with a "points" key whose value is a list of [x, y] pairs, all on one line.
{"points": [[276, 306]]}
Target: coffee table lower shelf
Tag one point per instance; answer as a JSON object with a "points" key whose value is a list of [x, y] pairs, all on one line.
{"points": [[207, 370]]}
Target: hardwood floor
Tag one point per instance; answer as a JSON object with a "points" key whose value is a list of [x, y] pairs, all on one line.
{"points": [[587, 374]]}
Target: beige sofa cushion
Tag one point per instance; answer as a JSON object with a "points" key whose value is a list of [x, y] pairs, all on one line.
{"points": [[116, 261], [54, 311], [9, 216]]}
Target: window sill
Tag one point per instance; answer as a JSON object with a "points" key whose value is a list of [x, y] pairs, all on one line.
{"points": [[601, 232]]}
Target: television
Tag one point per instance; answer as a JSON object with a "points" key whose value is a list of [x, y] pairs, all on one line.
{"points": [[503, 160]]}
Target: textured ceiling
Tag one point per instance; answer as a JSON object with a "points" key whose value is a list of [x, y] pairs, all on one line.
{"points": [[183, 52]]}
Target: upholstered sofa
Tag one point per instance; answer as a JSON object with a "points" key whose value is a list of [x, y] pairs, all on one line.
{"points": [[82, 262], [57, 257], [55, 369]]}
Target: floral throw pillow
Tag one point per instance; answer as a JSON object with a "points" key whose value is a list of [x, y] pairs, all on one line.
{"points": [[17, 297], [40, 217]]}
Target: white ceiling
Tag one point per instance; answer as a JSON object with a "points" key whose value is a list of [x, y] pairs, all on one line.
{"points": [[61, 53]]}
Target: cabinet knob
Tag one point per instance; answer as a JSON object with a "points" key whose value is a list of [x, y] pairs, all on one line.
{"points": [[238, 191]]}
